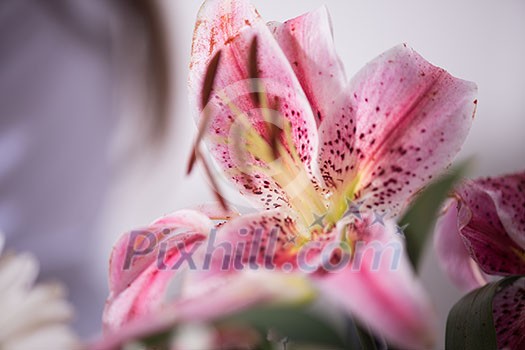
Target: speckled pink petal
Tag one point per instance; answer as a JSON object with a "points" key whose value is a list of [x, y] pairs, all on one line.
{"points": [[136, 250], [411, 119], [508, 194], [234, 37], [484, 234], [265, 240], [453, 255], [218, 22], [509, 315], [337, 158], [382, 290], [308, 43]]}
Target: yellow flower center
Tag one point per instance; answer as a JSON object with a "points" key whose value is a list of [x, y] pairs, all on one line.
{"points": [[276, 157]]}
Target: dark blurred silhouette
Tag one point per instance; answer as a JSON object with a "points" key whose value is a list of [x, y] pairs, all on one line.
{"points": [[60, 67]]}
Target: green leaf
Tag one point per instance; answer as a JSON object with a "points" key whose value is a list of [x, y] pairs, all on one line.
{"points": [[421, 216], [470, 324], [296, 322], [158, 341], [366, 339]]}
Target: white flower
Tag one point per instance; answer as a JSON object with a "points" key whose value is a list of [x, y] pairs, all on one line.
{"points": [[32, 317]]}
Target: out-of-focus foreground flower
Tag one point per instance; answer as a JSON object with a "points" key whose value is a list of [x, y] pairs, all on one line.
{"points": [[31, 316], [158, 289], [481, 233], [328, 163]]}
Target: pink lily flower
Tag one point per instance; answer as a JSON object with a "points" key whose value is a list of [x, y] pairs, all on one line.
{"points": [[481, 233], [337, 152], [375, 140]]}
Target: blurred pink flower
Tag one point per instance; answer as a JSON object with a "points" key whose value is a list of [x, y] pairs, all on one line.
{"points": [[337, 152], [482, 233]]}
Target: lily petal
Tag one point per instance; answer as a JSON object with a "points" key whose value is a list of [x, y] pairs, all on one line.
{"points": [[453, 255], [265, 240], [308, 43], [162, 292], [409, 119], [215, 211], [481, 227], [137, 250], [338, 154], [148, 291], [231, 26], [508, 194], [218, 22], [380, 289], [509, 315], [231, 293], [141, 264]]}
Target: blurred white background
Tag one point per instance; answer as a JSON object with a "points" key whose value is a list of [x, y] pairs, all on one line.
{"points": [[481, 41]]}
